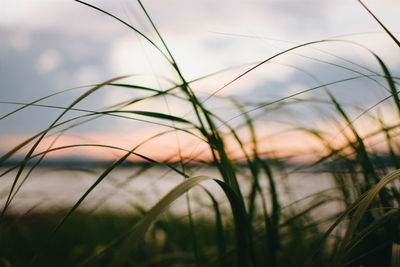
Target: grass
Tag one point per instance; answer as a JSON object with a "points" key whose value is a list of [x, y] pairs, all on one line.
{"points": [[251, 225]]}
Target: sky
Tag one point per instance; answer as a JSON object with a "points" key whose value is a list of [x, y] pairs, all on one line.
{"points": [[51, 46]]}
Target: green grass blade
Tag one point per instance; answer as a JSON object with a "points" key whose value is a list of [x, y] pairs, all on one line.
{"points": [[128, 25], [263, 105], [262, 63], [219, 229], [152, 115], [41, 137], [359, 213], [137, 232], [243, 239], [360, 148], [26, 105], [392, 85]]}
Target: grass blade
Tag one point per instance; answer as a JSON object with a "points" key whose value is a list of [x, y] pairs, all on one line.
{"points": [[380, 23]]}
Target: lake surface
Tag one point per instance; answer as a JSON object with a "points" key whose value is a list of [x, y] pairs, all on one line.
{"points": [[124, 190]]}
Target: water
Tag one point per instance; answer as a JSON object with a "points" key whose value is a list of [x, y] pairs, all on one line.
{"points": [[123, 191]]}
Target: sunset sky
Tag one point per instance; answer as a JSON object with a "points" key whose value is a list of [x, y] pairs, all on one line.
{"points": [[48, 46]]}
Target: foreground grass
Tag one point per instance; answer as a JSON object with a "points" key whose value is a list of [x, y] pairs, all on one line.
{"points": [[166, 244]]}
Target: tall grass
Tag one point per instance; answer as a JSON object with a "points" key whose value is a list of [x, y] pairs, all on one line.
{"points": [[258, 228]]}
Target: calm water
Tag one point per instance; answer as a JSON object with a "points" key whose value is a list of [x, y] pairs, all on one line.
{"points": [[123, 191]]}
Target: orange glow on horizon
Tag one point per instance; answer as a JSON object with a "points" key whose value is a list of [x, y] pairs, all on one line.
{"points": [[175, 146]]}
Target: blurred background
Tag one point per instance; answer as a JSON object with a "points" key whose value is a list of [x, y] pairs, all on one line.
{"points": [[50, 46]]}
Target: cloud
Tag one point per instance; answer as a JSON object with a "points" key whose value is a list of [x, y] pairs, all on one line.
{"points": [[48, 61]]}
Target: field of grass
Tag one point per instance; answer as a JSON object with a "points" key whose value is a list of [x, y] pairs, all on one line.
{"points": [[255, 228]]}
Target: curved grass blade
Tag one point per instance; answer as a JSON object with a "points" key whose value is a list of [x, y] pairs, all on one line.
{"points": [[53, 149], [41, 137], [26, 105], [370, 229], [260, 64], [296, 94], [11, 152], [391, 82], [359, 147], [91, 188], [359, 207], [137, 232], [330, 39], [359, 213], [175, 65], [22, 163], [129, 26], [156, 115]]}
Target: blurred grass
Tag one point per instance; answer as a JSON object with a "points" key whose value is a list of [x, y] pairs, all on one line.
{"points": [[87, 233]]}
